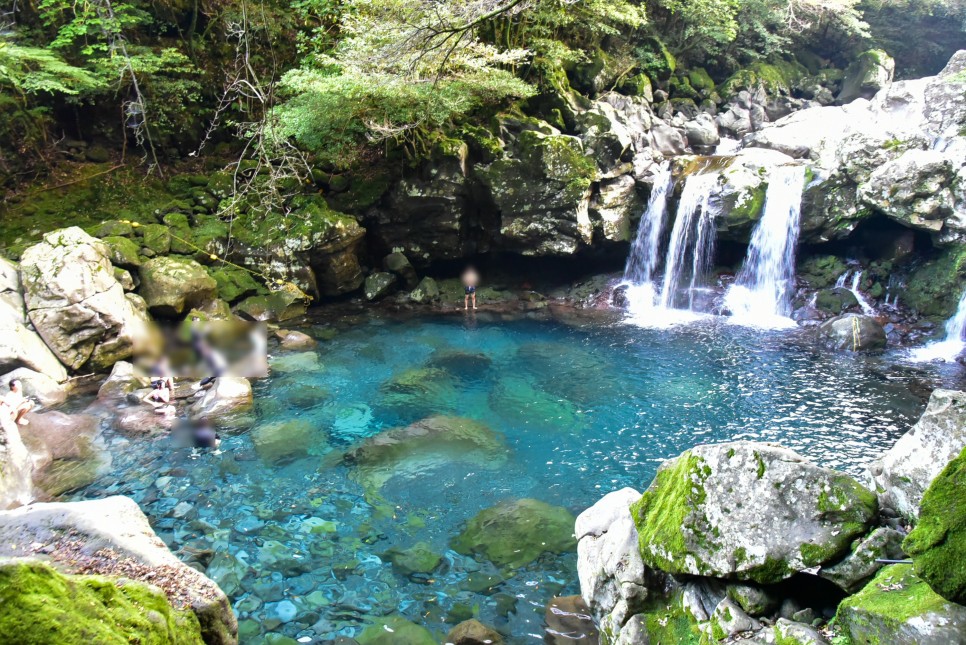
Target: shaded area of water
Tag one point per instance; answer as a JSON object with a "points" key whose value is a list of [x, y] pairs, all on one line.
{"points": [[299, 548]]}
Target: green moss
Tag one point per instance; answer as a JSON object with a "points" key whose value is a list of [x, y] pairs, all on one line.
{"points": [[776, 77], [395, 630], [933, 289], [669, 623], [938, 543], [700, 79], [124, 252], [895, 596], [760, 470], [156, 237], [311, 219], [664, 512], [235, 284], [562, 159], [39, 606], [365, 189]]}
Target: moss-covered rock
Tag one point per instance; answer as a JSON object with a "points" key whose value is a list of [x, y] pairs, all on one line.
{"points": [[123, 251], [869, 73], [748, 511], [700, 79], [821, 271], [938, 543], [899, 608], [277, 306], [156, 237], [777, 77], [852, 333], [234, 283], [172, 285], [514, 534], [933, 289], [39, 606]]}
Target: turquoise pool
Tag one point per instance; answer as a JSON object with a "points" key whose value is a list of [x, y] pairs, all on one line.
{"points": [[301, 539]]}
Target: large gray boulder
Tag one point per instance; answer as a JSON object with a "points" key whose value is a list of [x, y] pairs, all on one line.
{"points": [[76, 304], [19, 345], [613, 577], [871, 72], [852, 332], [614, 205], [16, 466], [906, 470], [112, 537], [173, 285], [748, 511], [228, 401], [901, 152]]}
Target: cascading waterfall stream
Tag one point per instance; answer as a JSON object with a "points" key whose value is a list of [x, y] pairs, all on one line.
{"points": [[761, 294], [651, 300], [642, 261], [950, 347], [851, 280]]}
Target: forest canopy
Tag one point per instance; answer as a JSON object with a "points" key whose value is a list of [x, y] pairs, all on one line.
{"points": [[342, 78]]}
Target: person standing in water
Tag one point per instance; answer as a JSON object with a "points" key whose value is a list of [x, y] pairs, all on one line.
{"points": [[470, 281]]}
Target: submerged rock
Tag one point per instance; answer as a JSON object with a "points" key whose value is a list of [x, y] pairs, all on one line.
{"points": [[277, 306], [43, 605], [423, 445], [938, 543], [295, 340], [473, 632], [61, 446], [514, 534], [569, 622], [112, 537], [77, 305], [520, 402], [906, 470], [418, 558], [898, 608], [395, 630], [287, 439], [748, 511], [852, 332]]}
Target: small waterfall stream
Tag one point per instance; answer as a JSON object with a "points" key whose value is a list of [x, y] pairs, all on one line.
{"points": [[643, 258], [950, 347], [851, 280], [761, 294]]}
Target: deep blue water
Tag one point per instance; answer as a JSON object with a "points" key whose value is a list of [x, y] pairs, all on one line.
{"points": [[582, 411]]}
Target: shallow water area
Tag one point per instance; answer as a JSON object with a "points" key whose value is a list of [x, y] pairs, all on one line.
{"points": [[300, 537]]}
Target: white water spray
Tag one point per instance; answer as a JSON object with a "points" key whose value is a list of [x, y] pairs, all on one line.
{"points": [[643, 258], [953, 344], [761, 294]]}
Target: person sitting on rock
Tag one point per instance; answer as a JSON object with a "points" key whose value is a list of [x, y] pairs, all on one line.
{"points": [[162, 388], [470, 281], [15, 403]]}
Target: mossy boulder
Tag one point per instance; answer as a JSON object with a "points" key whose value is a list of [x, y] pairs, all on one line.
{"points": [[378, 285], [156, 237], [515, 533], [172, 285], [700, 79], [933, 289], [395, 630], [277, 306], [852, 333], [869, 73], [426, 291], [776, 77], [123, 251], [938, 543], [39, 605], [748, 511], [543, 194], [835, 301], [821, 271], [899, 608], [853, 571]]}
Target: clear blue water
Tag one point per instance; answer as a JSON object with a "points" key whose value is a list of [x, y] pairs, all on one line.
{"points": [[583, 411]]}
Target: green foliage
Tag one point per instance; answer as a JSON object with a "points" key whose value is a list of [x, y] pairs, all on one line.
{"points": [[30, 70]]}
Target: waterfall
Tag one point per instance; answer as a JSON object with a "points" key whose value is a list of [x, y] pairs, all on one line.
{"points": [[852, 285], [694, 221], [642, 261], [651, 299], [953, 344], [761, 294]]}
